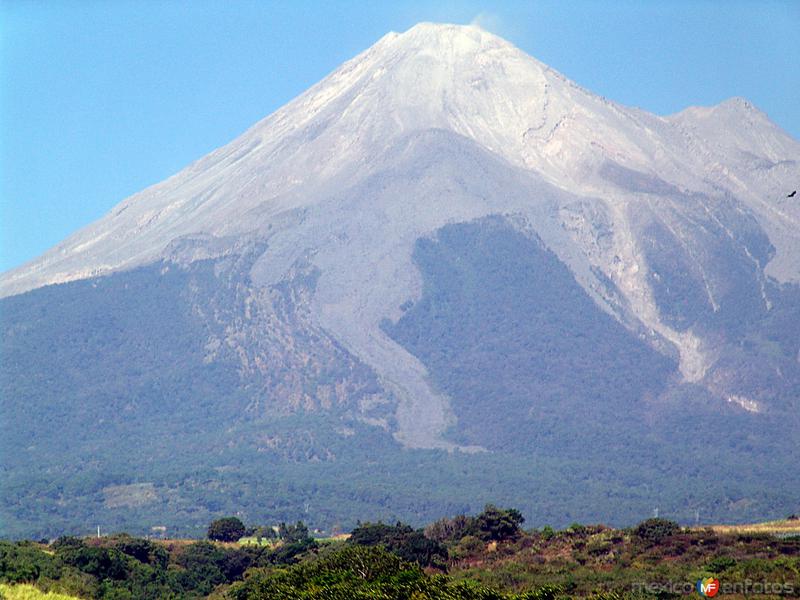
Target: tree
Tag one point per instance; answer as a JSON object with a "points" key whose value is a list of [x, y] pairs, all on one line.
{"points": [[264, 532], [497, 524], [293, 533], [404, 541], [227, 529], [373, 534], [449, 530]]}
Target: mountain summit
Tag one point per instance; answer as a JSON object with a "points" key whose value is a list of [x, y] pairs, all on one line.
{"points": [[445, 243], [455, 78]]}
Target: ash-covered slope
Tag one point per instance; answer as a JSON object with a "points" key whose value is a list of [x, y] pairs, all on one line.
{"points": [[435, 241], [455, 78], [720, 171]]}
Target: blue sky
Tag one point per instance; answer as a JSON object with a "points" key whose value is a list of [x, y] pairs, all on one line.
{"points": [[101, 99]]}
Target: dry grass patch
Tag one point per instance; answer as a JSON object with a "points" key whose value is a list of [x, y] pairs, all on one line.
{"points": [[28, 592], [783, 526]]}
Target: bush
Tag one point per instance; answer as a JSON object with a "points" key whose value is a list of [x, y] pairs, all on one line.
{"points": [[656, 530], [576, 528], [468, 546], [228, 529], [599, 547], [720, 564], [547, 592]]}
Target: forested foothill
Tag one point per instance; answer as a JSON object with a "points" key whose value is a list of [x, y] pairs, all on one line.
{"points": [[488, 556], [536, 373]]}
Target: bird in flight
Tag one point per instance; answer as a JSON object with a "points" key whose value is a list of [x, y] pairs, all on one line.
{"points": [[792, 194]]}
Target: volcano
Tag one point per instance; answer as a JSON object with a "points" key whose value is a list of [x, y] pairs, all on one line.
{"points": [[444, 275]]}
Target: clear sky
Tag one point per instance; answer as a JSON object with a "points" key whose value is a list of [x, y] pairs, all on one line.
{"points": [[99, 99]]}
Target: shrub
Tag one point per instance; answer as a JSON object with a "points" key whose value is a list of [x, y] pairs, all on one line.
{"points": [[468, 546], [546, 592], [576, 528], [720, 564], [599, 547], [656, 530]]}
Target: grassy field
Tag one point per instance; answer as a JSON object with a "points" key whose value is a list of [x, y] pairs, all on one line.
{"points": [[253, 541], [272, 543], [782, 527], [28, 592]]}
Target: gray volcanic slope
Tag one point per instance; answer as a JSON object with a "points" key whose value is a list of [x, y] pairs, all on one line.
{"points": [[323, 218]]}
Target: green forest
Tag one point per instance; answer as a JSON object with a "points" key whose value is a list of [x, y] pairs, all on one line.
{"points": [[582, 421], [486, 556]]}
